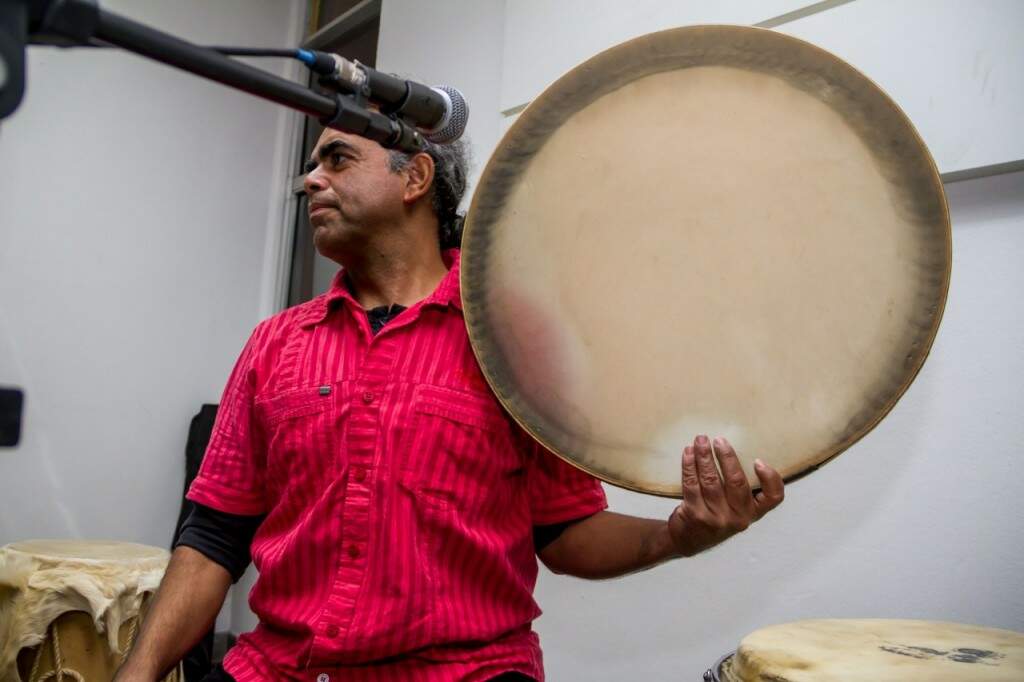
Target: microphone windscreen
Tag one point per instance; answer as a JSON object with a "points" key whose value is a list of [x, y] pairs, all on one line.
{"points": [[454, 124]]}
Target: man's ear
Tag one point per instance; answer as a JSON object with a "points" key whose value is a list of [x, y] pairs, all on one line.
{"points": [[419, 176]]}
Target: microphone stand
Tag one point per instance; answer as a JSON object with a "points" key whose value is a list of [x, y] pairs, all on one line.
{"points": [[70, 23]]}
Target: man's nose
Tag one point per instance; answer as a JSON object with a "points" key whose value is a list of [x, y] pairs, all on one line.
{"points": [[314, 181]]}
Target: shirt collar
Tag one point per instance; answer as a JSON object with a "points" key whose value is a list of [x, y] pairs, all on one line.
{"points": [[446, 293]]}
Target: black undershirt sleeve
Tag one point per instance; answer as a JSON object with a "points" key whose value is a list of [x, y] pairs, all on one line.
{"points": [[220, 537], [225, 538], [545, 535]]}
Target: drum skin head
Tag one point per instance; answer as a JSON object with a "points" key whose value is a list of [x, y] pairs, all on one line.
{"points": [[869, 650], [109, 552], [715, 230], [89, 591]]}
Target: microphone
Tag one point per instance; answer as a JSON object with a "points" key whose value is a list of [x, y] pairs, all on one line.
{"points": [[440, 113]]}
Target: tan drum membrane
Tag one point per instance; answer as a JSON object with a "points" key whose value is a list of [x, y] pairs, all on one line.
{"points": [[91, 592], [878, 651], [713, 229]]}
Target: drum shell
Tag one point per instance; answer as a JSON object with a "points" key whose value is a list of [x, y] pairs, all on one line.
{"points": [[81, 648]]}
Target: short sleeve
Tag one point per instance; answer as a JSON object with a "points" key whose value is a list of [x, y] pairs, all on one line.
{"points": [[231, 478], [559, 491]]}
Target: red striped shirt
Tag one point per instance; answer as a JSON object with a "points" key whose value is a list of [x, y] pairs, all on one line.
{"points": [[400, 498]]}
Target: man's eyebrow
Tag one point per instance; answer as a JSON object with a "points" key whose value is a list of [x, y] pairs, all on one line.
{"points": [[326, 150]]}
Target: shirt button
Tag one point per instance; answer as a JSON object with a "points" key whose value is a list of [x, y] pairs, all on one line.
{"points": [[332, 630], [323, 677], [360, 475], [353, 551], [367, 397]]}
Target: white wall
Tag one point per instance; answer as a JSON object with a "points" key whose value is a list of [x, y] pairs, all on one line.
{"points": [[919, 519], [139, 212]]}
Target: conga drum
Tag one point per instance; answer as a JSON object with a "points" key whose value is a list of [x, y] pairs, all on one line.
{"points": [[70, 610], [874, 651], [711, 229]]}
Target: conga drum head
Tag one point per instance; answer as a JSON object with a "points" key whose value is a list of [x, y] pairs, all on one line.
{"points": [[711, 229], [91, 552], [877, 650]]}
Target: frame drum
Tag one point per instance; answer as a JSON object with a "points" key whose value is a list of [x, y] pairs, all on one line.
{"points": [[711, 229]]}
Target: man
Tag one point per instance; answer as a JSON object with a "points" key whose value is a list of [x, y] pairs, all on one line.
{"points": [[395, 512]]}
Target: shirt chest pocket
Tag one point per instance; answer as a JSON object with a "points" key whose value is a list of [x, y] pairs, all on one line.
{"points": [[301, 428], [463, 446]]}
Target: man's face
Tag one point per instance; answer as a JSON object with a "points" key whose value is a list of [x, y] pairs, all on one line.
{"points": [[352, 193]]}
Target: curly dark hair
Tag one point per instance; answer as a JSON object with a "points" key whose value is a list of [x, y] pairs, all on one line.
{"points": [[451, 166]]}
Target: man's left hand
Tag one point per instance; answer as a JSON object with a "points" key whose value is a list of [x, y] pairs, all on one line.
{"points": [[717, 506]]}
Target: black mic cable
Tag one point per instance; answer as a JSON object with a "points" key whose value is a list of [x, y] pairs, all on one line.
{"points": [[440, 113]]}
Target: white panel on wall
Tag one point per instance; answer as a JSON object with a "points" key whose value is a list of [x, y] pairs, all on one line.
{"points": [[920, 519], [135, 204], [457, 43], [544, 39], [954, 67]]}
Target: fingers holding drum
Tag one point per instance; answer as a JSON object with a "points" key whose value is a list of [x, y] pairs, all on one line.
{"points": [[691, 482], [772, 489], [737, 489], [707, 473]]}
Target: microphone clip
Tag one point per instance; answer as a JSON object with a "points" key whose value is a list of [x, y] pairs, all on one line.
{"points": [[350, 84], [388, 130]]}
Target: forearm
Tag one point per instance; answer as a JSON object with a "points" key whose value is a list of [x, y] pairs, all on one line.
{"points": [[607, 545], [183, 610]]}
